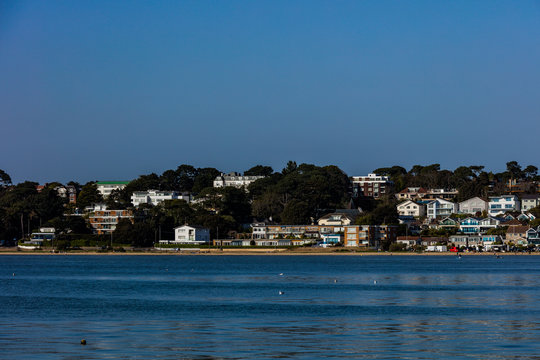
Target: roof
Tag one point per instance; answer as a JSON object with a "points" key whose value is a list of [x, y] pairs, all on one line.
{"points": [[530, 196], [517, 229]]}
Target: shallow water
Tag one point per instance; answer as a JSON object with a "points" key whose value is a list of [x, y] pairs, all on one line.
{"points": [[229, 307]]}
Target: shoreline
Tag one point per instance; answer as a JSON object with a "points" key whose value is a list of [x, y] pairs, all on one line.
{"points": [[252, 252]]}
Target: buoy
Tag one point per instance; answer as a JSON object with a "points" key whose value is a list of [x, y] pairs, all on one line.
{"points": [[83, 342], [281, 292], [335, 280], [13, 274], [280, 274], [375, 282]]}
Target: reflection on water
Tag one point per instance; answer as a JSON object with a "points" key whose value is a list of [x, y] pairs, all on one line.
{"points": [[230, 308]]}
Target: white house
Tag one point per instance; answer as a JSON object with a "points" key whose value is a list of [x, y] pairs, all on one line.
{"points": [[186, 234], [234, 179], [498, 205], [155, 197], [440, 208], [106, 187], [411, 208], [529, 201], [259, 231], [473, 205]]}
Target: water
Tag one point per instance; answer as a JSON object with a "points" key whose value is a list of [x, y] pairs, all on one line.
{"points": [[229, 307]]}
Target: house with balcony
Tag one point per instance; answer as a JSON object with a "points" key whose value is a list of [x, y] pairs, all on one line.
{"points": [[103, 220], [473, 206], [445, 194], [187, 234], [412, 193], [372, 185], [411, 208], [468, 241], [470, 226], [499, 205], [106, 187], [234, 179], [156, 197], [440, 208], [533, 236]]}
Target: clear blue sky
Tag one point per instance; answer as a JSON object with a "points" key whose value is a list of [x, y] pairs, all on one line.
{"points": [[110, 90]]}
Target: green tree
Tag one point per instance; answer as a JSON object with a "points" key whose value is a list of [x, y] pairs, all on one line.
{"points": [[259, 170], [89, 195]]}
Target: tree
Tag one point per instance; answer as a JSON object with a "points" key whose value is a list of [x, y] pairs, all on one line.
{"points": [[530, 172], [514, 169], [5, 179], [259, 170], [204, 179], [296, 212], [89, 195], [291, 166]]}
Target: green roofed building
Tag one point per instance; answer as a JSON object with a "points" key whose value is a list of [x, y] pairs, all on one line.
{"points": [[105, 187]]}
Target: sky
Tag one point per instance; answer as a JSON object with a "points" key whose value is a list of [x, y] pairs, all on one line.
{"points": [[110, 90]]}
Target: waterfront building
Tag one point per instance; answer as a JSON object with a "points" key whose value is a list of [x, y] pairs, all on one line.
{"points": [[104, 221], [473, 206], [529, 201], [187, 234], [372, 185], [411, 208], [468, 241], [516, 232], [499, 205], [440, 208]]}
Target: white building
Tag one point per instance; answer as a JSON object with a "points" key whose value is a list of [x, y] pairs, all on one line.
{"points": [[155, 197], [372, 185], [234, 179], [191, 235], [473, 205], [529, 201], [441, 208], [106, 187], [259, 231], [498, 205], [411, 208]]}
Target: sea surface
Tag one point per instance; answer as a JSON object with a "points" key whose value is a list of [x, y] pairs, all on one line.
{"points": [[230, 307]]}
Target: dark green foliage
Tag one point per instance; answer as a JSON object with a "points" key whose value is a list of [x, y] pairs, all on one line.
{"points": [[89, 195], [259, 170]]}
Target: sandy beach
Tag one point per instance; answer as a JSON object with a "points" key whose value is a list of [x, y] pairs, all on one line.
{"points": [[247, 252]]}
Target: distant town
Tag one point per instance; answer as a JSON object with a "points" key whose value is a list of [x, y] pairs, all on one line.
{"points": [[425, 208]]}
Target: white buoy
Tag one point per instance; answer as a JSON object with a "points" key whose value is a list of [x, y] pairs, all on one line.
{"points": [[281, 292], [335, 280], [280, 274], [375, 282]]}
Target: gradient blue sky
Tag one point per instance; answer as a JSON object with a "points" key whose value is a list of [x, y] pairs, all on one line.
{"points": [[102, 90]]}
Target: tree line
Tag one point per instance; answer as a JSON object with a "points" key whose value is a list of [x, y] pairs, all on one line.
{"points": [[298, 194]]}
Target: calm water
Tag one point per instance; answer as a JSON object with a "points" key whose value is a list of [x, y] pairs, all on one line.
{"points": [[229, 307]]}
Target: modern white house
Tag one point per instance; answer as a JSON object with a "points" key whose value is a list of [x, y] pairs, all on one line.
{"points": [[411, 208], [259, 231], [156, 197], [529, 201], [473, 205], [234, 179], [106, 187], [186, 234], [441, 208], [498, 205]]}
